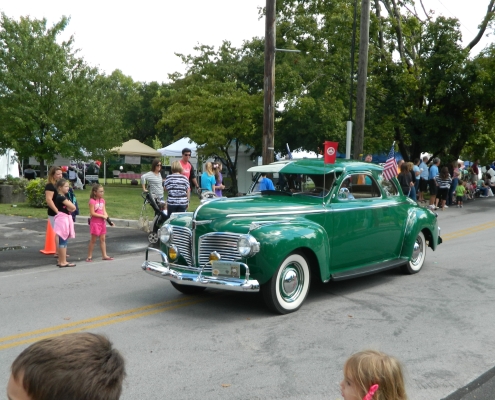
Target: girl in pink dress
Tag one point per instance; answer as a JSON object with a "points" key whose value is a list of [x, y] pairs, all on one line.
{"points": [[98, 222]]}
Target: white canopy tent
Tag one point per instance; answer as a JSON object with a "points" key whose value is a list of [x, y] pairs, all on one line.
{"points": [[174, 152], [8, 164], [175, 149]]}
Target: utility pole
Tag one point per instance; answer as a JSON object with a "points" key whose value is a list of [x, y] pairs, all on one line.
{"points": [[269, 84], [362, 78], [351, 89]]}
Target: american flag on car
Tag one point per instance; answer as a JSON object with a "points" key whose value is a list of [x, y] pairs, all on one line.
{"points": [[390, 169]]}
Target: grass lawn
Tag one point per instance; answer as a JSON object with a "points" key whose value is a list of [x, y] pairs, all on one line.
{"points": [[123, 201]]}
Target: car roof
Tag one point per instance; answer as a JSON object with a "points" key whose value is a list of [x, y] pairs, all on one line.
{"points": [[315, 166]]}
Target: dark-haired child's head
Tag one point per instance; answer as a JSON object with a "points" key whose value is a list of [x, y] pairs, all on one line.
{"points": [[77, 366]]}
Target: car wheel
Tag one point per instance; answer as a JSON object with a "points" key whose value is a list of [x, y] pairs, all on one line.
{"points": [[288, 287], [188, 289], [153, 237], [418, 256]]}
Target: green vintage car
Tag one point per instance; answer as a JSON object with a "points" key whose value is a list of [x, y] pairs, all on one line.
{"points": [[328, 222]]}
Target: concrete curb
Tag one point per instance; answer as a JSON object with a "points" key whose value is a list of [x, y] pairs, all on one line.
{"points": [[120, 223]]}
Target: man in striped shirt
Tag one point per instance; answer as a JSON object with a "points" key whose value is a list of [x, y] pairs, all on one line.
{"points": [[178, 189]]}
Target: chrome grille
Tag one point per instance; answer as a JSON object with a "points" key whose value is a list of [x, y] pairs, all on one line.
{"points": [[182, 238], [224, 243]]}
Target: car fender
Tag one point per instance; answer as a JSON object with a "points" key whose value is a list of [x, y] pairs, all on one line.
{"points": [[278, 240], [419, 220]]}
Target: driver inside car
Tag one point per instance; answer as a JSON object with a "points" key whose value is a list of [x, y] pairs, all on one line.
{"points": [[344, 190], [266, 183]]}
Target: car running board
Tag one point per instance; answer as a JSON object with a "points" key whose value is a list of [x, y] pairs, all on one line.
{"points": [[368, 270]]}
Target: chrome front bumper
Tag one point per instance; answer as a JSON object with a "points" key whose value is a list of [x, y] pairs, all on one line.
{"points": [[165, 270]]}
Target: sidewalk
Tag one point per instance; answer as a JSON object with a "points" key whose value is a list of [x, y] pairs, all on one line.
{"points": [[22, 238], [482, 388]]}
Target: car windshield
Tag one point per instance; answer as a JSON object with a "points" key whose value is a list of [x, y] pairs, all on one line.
{"points": [[293, 184]]}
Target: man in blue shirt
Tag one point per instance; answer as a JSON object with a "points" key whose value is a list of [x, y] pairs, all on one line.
{"points": [[432, 173], [266, 183], [423, 178]]}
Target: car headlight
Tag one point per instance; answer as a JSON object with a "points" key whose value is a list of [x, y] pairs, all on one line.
{"points": [[166, 234], [247, 246]]}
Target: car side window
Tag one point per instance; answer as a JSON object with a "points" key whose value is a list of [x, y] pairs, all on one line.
{"points": [[388, 186], [344, 193], [358, 186]]}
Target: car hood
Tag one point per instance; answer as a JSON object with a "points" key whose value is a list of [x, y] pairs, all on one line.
{"points": [[257, 207]]}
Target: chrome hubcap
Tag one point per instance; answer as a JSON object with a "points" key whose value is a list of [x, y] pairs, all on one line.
{"points": [[291, 282], [417, 251], [153, 237]]}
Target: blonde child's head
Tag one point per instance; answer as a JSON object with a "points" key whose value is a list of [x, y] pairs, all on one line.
{"points": [[176, 167], [367, 368], [209, 168], [95, 191]]}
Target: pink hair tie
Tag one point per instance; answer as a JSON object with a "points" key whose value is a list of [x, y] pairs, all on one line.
{"points": [[371, 392]]}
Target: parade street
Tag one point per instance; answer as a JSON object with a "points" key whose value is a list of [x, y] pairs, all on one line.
{"points": [[222, 345]]}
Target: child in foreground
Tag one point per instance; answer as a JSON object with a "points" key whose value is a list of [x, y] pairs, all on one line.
{"points": [[77, 366], [372, 375]]}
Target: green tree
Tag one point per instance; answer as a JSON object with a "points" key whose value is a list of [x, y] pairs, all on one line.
{"points": [[313, 86], [141, 118], [429, 98], [52, 102], [423, 91], [212, 106]]}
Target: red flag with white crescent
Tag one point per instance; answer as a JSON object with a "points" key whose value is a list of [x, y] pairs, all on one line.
{"points": [[331, 152]]}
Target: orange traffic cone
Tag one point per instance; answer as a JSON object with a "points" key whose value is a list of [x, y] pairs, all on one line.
{"points": [[49, 240]]}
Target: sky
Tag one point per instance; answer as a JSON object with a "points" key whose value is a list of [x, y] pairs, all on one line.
{"points": [[141, 38]]}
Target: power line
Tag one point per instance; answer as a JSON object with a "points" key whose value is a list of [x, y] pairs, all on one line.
{"points": [[451, 13]]}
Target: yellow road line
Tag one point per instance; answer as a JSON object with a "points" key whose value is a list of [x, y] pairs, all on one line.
{"points": [[89, 320], [468, 231], [152, 309]]}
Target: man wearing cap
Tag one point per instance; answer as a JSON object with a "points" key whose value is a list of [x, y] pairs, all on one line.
{"points": [[187, 168]]}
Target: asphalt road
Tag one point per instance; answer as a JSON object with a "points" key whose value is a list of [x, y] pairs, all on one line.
{"points": [[22, 238], [223, 345]]}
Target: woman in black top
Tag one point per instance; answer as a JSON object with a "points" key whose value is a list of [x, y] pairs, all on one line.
{"points": [[54, 175], [405, 179]]}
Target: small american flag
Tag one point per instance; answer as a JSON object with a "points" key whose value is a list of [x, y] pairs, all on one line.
{"points": [[390, 169]]}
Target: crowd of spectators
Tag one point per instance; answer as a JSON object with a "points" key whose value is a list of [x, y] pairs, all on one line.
{"points": [[442, 182]]}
